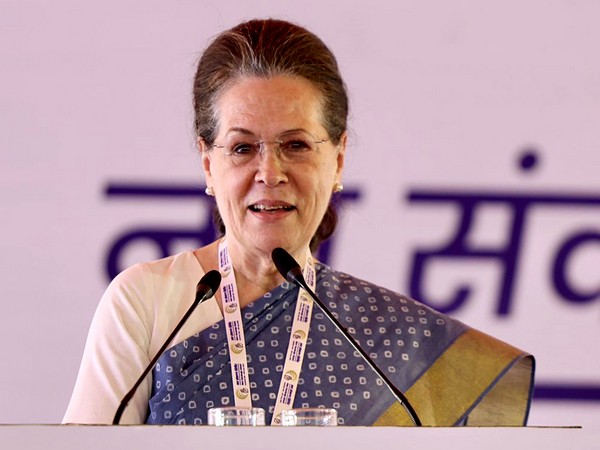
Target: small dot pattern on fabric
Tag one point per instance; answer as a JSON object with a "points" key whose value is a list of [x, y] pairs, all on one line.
{"points": [[402, 336]]}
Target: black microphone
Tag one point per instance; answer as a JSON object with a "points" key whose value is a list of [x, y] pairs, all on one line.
{"points": [[206, 288], [291, 271]]}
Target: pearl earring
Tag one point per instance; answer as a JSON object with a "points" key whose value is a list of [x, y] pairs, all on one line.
{"points": [[209, 191], [338, 187]]}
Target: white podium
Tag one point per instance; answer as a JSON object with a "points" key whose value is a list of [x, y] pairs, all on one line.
{"points": [[78, 437]]}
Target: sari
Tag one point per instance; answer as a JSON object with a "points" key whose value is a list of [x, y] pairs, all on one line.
{"points": [[451, 374]]}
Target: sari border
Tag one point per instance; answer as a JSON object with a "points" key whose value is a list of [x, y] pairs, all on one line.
{"points": [[461, 379]]}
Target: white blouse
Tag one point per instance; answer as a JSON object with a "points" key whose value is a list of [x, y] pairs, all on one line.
{"points": [[138, 311]]}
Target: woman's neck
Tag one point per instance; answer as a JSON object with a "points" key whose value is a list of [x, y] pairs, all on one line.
{"points": [[255, 273]]}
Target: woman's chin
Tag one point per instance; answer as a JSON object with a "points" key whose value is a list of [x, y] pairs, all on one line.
{"points": [[266, 242]]}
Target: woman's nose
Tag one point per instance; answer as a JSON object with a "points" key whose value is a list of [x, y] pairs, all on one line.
{"points": [[271, 169]]}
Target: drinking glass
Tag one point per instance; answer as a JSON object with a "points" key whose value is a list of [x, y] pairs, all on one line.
{"points": [[317, 417], [236, 416]]}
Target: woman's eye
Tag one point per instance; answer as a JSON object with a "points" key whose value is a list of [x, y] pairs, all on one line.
{"points": [[295, 145], [242, 149]]}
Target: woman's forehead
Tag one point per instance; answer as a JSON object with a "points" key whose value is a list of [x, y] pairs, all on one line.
{"points": [[272, 105]]}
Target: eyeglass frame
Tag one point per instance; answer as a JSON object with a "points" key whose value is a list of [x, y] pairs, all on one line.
{"points": [[262, 145]]}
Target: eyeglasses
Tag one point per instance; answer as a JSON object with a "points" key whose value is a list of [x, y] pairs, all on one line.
{"points": [[296, 147]]}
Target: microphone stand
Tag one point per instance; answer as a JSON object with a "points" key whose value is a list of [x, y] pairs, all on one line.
{"points": [[206, 288], [294, 274]]}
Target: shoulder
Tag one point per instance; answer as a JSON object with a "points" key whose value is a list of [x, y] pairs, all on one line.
{"points": [[174, 266], [345, 283], [149, 298], [170, 271], [371, 299], [141, 288]]}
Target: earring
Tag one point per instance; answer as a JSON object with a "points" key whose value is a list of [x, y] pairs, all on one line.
{"points": [[338, 187], [209, 191]]}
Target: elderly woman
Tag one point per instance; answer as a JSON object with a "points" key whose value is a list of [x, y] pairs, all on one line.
{"points": [[271, 110]]}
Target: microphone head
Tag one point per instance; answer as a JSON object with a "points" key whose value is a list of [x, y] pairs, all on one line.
{"points": [[287, 266], [209, 282]]}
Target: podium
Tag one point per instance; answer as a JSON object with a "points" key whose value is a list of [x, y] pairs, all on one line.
{"points": [[150, 437]]}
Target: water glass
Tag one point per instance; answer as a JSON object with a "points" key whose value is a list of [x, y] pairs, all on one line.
{"points": [[236, 416], [316, 417]]}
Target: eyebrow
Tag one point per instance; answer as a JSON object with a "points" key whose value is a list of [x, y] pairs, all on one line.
{"points": [[247, 132], [239, 130]]}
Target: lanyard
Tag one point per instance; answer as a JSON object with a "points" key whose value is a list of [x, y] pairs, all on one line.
{"points": [[237, 344]]}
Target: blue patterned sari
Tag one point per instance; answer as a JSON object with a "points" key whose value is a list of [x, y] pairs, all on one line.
{"points": [[427, 355]]}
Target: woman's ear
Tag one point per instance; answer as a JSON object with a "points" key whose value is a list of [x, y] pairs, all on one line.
{"points": [[341, 157], [205, 154]]}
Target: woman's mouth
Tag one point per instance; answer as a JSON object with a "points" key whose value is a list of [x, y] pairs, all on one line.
{"points": [[270, 208]]}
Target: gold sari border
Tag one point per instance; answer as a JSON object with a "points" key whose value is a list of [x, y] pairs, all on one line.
{"points": [[478, 381]]}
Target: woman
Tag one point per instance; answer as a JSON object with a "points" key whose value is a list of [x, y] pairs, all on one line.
{"points": [[271, 112]]}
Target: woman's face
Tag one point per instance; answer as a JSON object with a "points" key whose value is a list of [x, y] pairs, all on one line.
{"points": [[271, 199]]}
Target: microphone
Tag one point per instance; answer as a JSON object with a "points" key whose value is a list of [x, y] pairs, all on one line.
{"points": [[291, 271], [206, 288]]}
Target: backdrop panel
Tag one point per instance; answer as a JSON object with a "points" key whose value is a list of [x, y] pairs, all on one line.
{"points": [[471, 178]]}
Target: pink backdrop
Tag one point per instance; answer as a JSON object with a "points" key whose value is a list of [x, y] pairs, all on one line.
{"points": [[493, 103]]}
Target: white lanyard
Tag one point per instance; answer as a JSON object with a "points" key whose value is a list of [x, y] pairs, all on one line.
{"points": [[237, 344]]}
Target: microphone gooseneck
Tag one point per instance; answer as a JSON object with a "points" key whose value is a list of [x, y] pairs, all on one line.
{"points": [[289, 268], [205, 289]]}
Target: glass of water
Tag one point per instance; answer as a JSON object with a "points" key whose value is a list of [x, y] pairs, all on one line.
{"points": [[316, 417], [236, 416]]}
